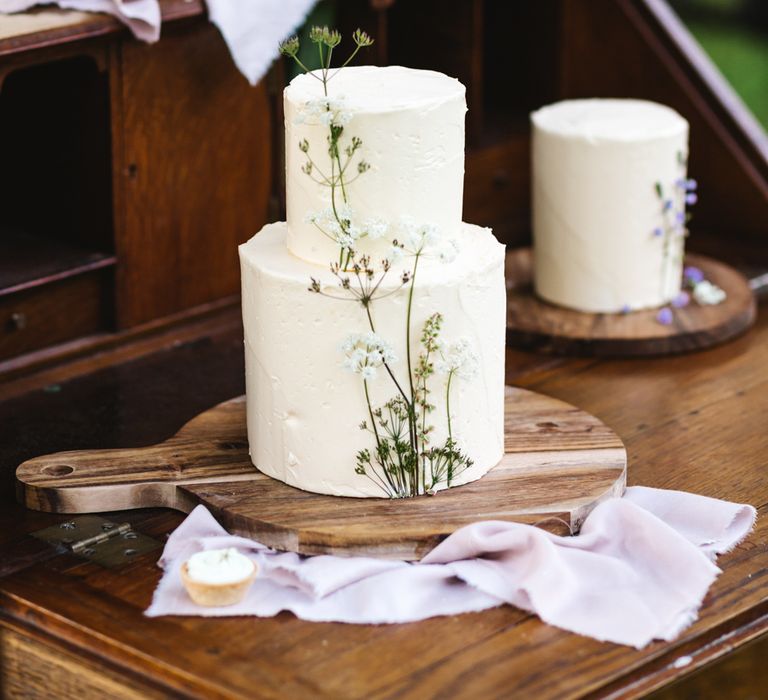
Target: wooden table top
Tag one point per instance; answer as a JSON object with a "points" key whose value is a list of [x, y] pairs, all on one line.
{"points": [[693, 422]]}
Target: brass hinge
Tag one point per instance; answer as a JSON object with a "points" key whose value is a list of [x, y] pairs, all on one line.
{"points": [[98, 540]]}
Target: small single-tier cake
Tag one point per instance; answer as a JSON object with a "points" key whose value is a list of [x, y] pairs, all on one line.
{"points": [[609, 193], [374, 317]]}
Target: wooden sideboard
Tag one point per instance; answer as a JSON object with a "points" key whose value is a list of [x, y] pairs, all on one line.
{"points": [[131, 172]]}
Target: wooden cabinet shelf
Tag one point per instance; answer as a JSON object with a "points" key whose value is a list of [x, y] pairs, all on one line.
{"points": [[28, 261], [63, 309], [130, 174]]}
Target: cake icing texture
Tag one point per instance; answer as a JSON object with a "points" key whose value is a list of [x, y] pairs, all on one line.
{"points": [[374, 317], [411, 124], [608, 203]]}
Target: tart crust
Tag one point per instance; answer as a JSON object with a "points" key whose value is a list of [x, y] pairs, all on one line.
{"points": [[216, 594]]}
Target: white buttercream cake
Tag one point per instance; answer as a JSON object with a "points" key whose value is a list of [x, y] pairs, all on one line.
{"points": [[320, 365], [609, 191]]}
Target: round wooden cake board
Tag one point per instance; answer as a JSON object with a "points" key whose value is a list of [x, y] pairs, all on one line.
{"points": [[560, 462], [533, 324]]}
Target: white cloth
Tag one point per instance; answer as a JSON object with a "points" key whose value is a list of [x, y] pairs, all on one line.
{"points": [[252, 29], [638, 571], [142, 17]]}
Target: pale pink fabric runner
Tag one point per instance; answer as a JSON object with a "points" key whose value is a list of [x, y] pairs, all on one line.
{"points": [[638, 571]]}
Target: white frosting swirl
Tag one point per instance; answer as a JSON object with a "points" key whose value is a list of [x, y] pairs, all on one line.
{"points": [[219, 566]]}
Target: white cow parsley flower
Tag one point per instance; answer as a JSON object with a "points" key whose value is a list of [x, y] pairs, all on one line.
{"points": [[333, 227], [425, 239], [375, 228], [344, 211], [459, 358], [328, 111], [365, 352], [417, 237], [342, 226], [708, 294], [354, 232], [395, 254], [368, 372], [345, 240]]}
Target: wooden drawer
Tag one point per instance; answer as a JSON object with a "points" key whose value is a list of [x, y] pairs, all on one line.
{"points": [[55, 312], [34, 670]]}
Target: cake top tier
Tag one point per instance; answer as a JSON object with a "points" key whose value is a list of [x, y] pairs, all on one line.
{"points": [[372, 89], [610, 120], [385, 147]]}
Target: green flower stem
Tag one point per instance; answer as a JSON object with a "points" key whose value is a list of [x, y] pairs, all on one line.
{"points": [[370, 318], [408, 324], [322, 174], [386, 366], [351, 56], [373, 425], [370, 411], [341, 177], [423, 389], [305, 69], [448, 403], [381, 484], [325, 233], [333, 206], [412, 403], [323, 69]]}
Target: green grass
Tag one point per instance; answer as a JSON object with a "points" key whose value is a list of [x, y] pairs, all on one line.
{"points": [[742, 57]]}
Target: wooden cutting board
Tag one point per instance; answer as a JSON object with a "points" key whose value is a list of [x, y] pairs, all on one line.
{"points": [[533, 324], [560, 462]]}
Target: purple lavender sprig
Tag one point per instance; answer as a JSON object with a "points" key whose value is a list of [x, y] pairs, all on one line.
{"points": [[692, 276], [681, 300], [674, 216], [665, 316]]}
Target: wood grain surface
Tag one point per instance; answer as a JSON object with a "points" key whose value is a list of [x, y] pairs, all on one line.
{"points": [[193, 184], [559, 463], [694, 423], [534, 324]]}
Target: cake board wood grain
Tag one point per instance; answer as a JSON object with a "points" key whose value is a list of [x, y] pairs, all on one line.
{"points": [[559, 463], [534, 324]]}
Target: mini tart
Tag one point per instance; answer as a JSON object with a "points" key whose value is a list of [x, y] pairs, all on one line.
{"points": [[216, 594]]}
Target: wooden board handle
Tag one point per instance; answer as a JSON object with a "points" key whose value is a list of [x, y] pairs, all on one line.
{"points": [[87, 481]]}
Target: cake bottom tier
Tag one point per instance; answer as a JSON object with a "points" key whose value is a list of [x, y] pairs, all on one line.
{"points": [[305, 408]]}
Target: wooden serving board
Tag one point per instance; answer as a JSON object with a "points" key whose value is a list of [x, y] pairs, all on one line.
{"points": [[534, 324], [559, 463]]}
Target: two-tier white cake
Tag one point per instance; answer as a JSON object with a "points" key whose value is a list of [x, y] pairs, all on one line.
{"points": [[609, 191], [319, 363]]}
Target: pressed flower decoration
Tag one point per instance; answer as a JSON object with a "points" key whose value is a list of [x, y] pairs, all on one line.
{"points": [[674, 219], [402, 460]]}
